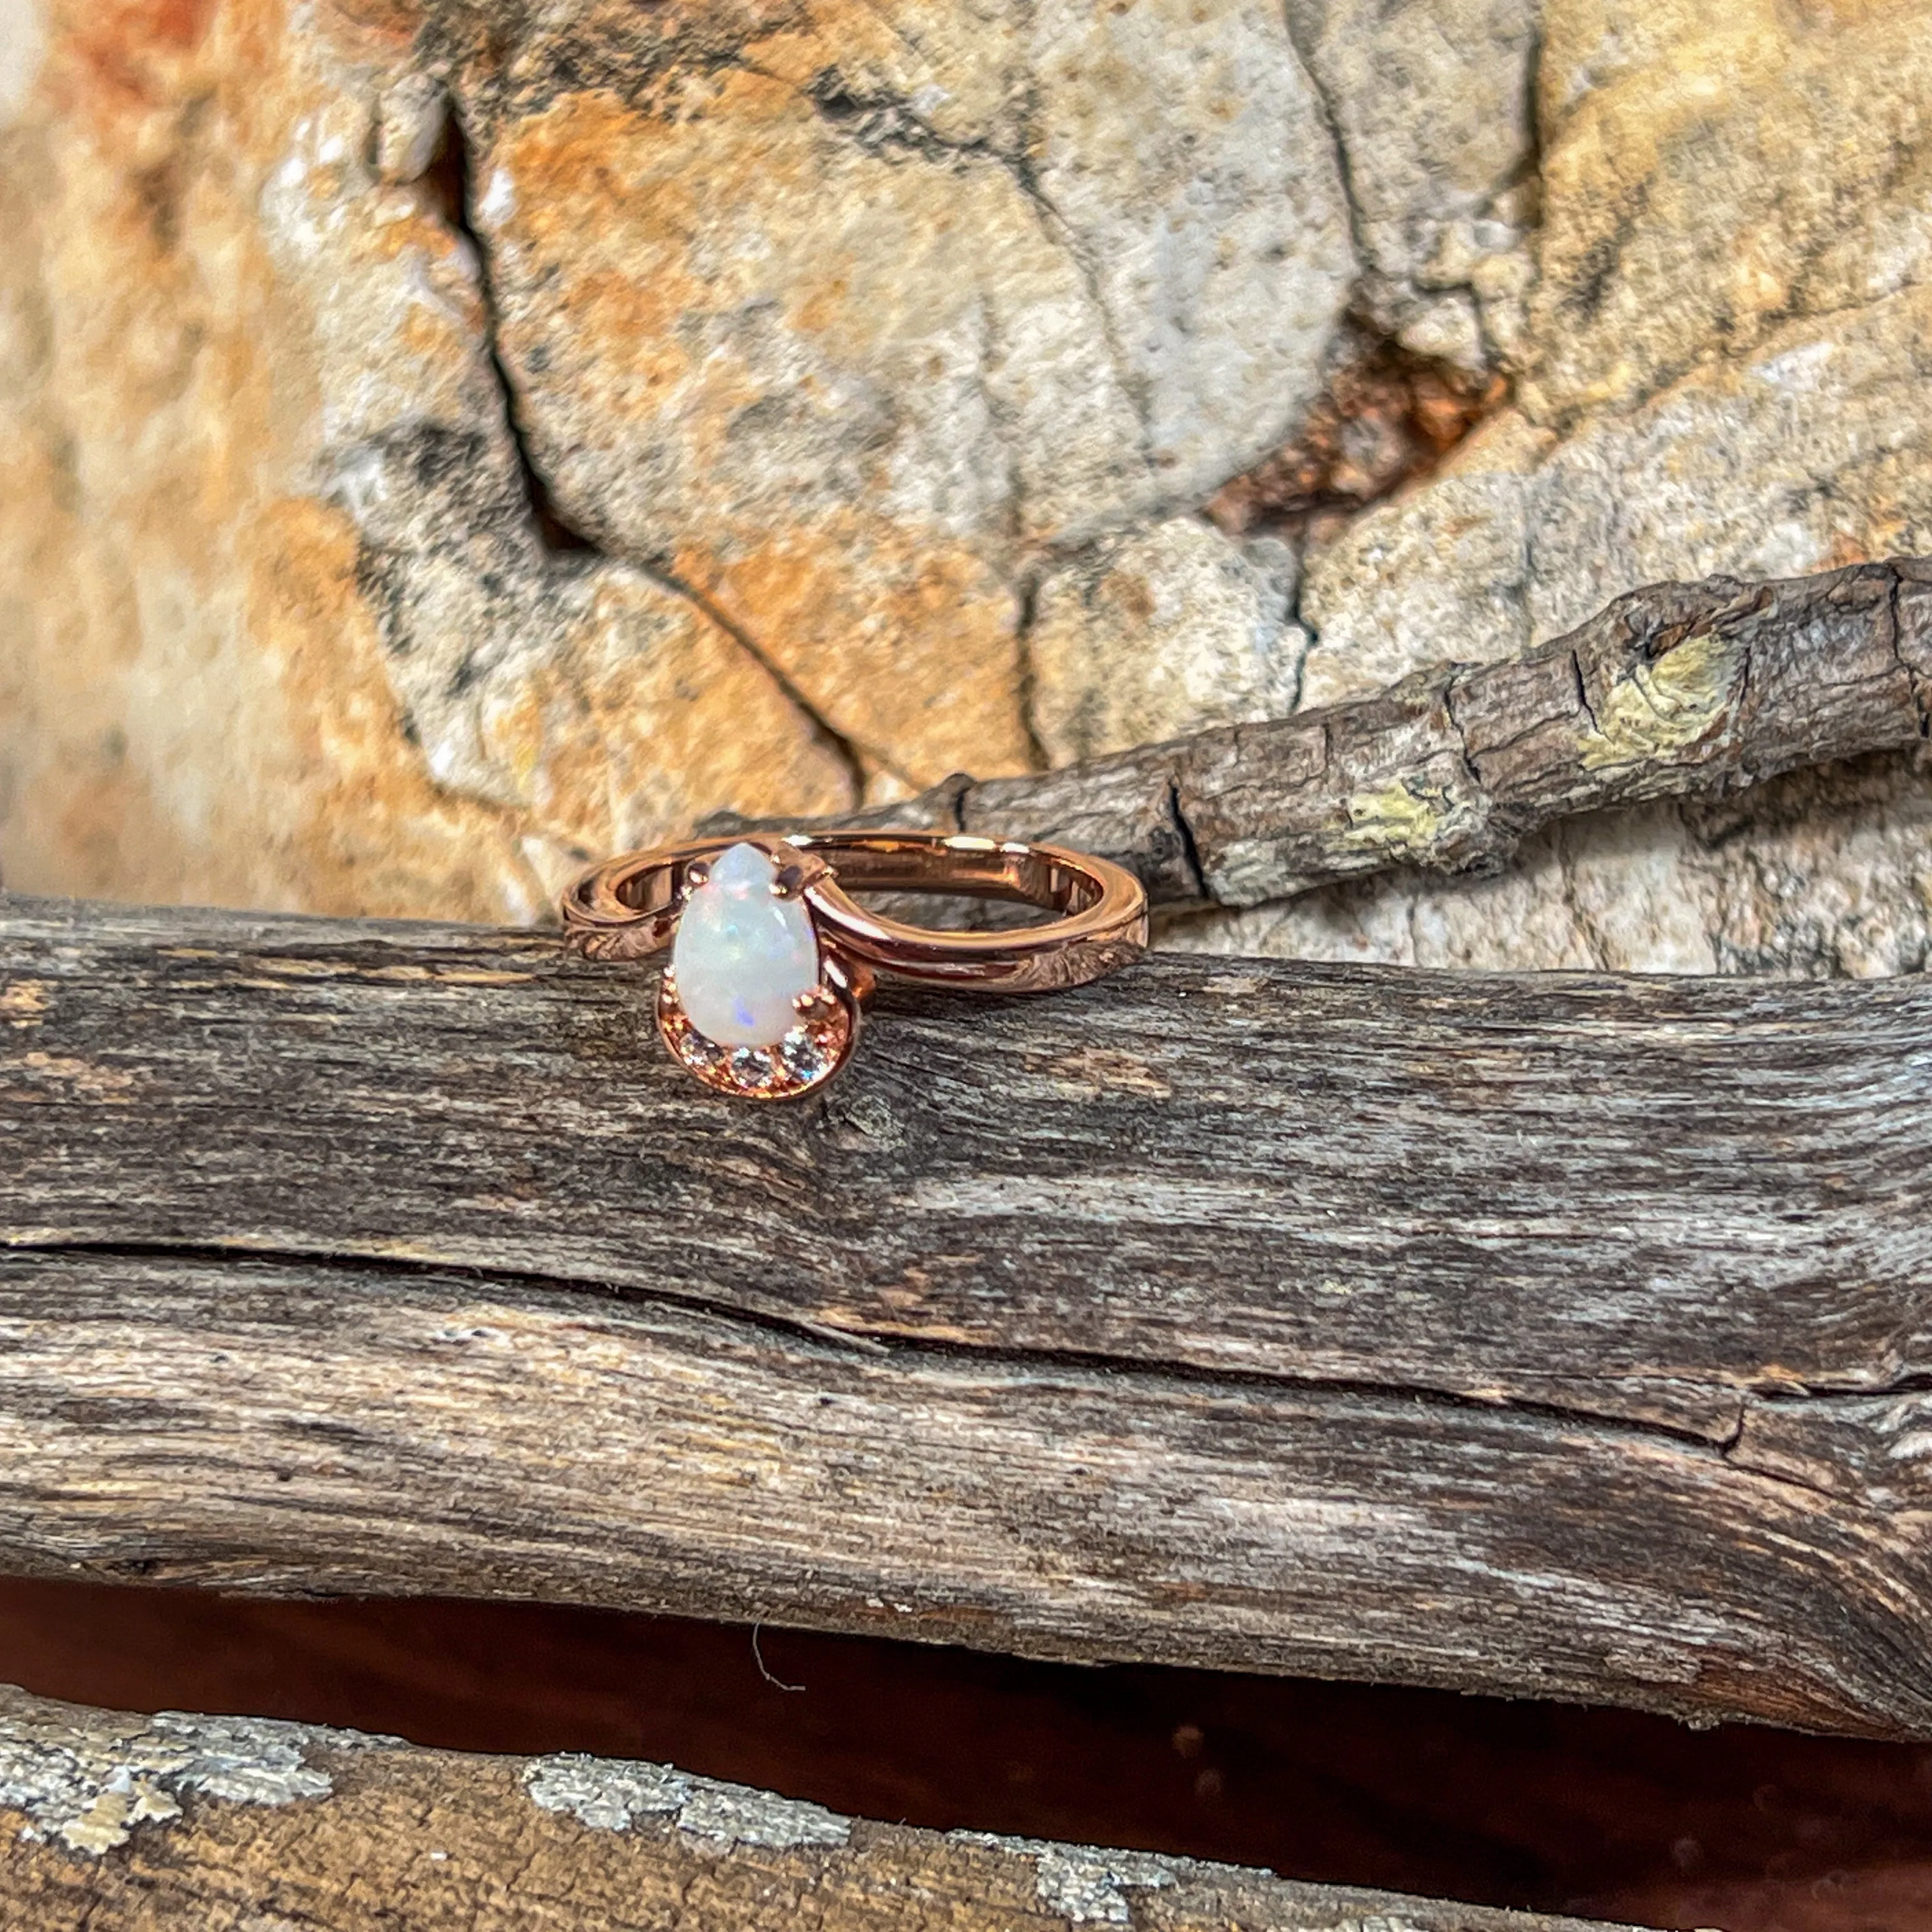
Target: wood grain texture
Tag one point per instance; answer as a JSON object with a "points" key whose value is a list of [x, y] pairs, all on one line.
{"points": [[118, 1823], [1674, 690], [1557, 1335]]}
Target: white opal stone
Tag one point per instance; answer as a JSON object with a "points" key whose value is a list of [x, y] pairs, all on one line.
{"points": [[742, 957]]}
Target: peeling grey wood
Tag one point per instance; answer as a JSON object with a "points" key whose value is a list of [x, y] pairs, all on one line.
{"points": [[610, 1794], [89, 1779], [1672, 691], [115, 1823], [1552, 1335]]}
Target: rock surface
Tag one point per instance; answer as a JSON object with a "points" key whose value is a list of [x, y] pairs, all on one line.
{"points": [[1430, 103], [1725, 370], [282, 628], [845, 317], [1160, 632], [441, 442]]}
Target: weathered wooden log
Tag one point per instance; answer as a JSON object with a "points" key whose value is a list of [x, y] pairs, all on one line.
{"points": [[1672, 691], [115, 1823], [1556, 1334]]}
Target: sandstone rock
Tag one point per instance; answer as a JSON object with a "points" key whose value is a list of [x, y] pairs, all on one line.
{"points": [[1445, 573], [1816, 450], [1711, 173], [842, 316], [1153, 635], [22, 31], [1675, 443], [913, 293], [282, 628], [1386, 416], [1431, 102]]}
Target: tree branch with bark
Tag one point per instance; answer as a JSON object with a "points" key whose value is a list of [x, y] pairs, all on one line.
{"points": [[1675, 691]]}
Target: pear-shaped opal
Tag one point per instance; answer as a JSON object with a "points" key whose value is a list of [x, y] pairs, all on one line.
{"points": [[742, 956]]}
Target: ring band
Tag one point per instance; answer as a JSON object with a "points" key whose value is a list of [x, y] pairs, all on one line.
{"points": [[767, 939]]}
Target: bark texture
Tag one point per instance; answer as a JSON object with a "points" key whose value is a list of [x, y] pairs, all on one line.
{"points": [[1560, 1335], [1675, 691], [117, 1823]]}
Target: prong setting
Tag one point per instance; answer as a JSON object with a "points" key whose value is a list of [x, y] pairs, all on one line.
{"points": [[767, 1041], [818, 1005], [796, 874]]}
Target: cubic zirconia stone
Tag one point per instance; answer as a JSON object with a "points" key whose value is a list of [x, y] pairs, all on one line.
{"points": [[803, 1054], [752, 1066]]}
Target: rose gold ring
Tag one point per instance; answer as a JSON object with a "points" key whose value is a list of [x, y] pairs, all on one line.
{"points": [[772, 958]]}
